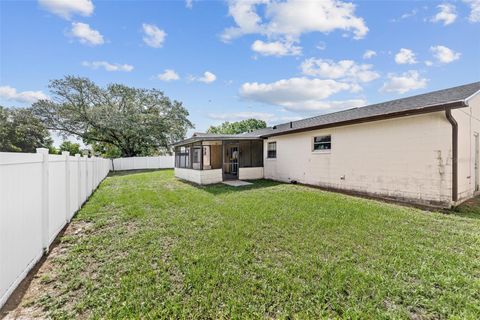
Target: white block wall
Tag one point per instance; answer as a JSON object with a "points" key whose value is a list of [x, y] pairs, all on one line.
{"points": [[468, 120], [137, 163], [39, 194], [408, 158], [199, 176], [250, 173]]}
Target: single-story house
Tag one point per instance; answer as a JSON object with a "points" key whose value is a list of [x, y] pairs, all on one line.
{"points": [[422, 149]]}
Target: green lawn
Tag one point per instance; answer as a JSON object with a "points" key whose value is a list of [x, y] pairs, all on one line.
{"points": [[150, 246]]}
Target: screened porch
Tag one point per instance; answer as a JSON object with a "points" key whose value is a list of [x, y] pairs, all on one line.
{"points": [[211, 161]]}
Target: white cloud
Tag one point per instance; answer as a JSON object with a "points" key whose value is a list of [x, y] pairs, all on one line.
{"points": [[369, 54], [9, 93], [406, 15], [168, 75], [326, 105], [321, 45], [428, 63], [244, 115], [154, 37], [474, 10], [207, 77], [189, 4], [407, 81], [405, 56], [447, 14], [410, 14], [67, 8], [444, 54], [291, 18], [246, 18], [276, 48], [343, 69], [107, 66], [85, 34], [299, 94]]}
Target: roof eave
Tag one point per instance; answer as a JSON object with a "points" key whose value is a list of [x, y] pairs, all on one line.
{"points": [[199, 139], [423, 110], [471, 96]]}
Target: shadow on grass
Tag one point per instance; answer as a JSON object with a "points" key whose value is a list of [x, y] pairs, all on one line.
{"points": [[469, 209], [220, 188], [132, 172]]}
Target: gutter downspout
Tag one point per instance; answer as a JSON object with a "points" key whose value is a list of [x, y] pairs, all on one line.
{"points": [[453, 122]]}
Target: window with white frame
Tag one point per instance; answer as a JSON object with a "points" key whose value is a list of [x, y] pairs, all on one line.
{"points": [[272, 150], [322, 143]]}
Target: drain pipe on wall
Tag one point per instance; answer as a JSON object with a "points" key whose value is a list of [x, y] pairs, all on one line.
{"points": [[453, 122]]}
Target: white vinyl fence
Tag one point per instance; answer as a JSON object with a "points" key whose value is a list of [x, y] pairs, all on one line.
{"points": [[39, 194], [137, 163]]}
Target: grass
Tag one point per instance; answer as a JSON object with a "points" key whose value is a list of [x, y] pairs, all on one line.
{"points": [[150, 246]]}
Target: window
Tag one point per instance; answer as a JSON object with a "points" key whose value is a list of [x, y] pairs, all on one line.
{"points": [[251, 153], [182, 157], [257, 153], [322, 143], [272, 150]]}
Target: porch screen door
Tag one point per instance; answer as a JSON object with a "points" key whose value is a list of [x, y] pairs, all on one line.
{"points": [[230, 160]]}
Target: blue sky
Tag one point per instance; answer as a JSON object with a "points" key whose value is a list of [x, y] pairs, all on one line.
{"points": [[230, 60]]}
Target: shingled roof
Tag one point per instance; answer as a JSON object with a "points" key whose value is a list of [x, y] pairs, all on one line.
{"points": [[200, 136], [429, 102]]}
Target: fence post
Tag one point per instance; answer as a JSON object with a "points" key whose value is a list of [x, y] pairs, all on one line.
{"points": [[45, 209], [86, 176], [95, 171], [79, 190], [66, 154]]}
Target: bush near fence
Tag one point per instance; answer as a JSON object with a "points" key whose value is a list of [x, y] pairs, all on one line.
{"points": [[39, 194]]}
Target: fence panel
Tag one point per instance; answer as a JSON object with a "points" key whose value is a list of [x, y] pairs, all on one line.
{"points": [[57, 197], [137, 163], [39, 194], [20, 218]]}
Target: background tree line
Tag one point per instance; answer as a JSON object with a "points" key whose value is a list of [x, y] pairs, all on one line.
{"points": [[238, 127], [115, 121]]}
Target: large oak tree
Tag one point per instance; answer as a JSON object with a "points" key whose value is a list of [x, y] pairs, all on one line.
{"points": [[136, 121]]}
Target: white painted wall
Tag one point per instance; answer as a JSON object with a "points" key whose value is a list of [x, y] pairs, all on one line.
{"points": [[468, 120], [408, 158], [137, 163], [250, 173], [39, 194], [199, 176]]}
